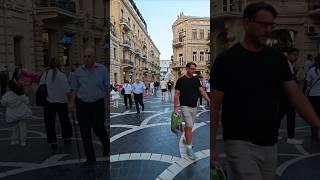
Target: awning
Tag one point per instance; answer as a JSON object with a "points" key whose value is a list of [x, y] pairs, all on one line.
{"points": [[67, 39]]}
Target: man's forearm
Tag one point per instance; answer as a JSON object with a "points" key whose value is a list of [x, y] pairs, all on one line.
{"points": [[205, 95]]}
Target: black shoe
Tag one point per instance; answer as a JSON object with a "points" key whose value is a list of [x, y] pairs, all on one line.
{"points": [[138, 112], [127, 107]]}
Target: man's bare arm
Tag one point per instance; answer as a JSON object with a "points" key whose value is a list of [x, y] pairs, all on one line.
{"points": [[176, 100], [204, 94]]}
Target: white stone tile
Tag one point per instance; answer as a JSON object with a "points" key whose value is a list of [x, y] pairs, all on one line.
{"points": [[182, 163], [206, 152], [200, 155], [145, 156], [135, 155], [168, 174], [174, 159], [155, 156], [166, 158], [124, 157], [114, 158], [175, 168]]}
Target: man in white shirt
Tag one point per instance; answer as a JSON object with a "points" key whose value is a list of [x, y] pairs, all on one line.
{"points": [[285, 107]]}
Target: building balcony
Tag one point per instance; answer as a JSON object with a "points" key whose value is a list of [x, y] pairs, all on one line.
{"points": [[177, 66], [137, 51], [126, 44], [126, 24], [314, 8], [177, 43], [56, 10], [127, 63], [144, 57]]}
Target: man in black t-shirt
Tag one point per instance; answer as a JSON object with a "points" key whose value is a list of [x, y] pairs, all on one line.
{"points": [[186, 92], [249, 79]]}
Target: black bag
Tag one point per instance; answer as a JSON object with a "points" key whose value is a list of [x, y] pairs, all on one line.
{"points": [[42, 93], [122, 91]]}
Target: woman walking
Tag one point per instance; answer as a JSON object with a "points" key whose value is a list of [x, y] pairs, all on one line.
{"points": [[57, 103]]}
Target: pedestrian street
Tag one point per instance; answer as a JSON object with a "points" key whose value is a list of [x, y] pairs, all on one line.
{"points": [[37, 161], [143, 146]]}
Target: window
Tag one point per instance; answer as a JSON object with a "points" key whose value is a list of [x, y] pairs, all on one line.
{"points": [[208, 34], [114, 53], [181, 59], [129, 21], [122, 13], [115, 77], [181, 36], [194, 34], [201, 56], [194, 56], [202, 34]]}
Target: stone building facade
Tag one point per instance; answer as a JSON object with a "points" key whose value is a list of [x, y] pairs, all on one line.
{"points": [[35, 31], [298, 25], [191, 43], [133, 53]]}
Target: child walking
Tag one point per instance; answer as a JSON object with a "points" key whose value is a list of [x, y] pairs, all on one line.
{"points": [[17, 112], [115, 97]]}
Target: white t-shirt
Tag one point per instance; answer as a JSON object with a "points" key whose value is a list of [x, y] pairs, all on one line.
{"points": [[163, 85], [127, 88], [57, 88], [312, 76]]}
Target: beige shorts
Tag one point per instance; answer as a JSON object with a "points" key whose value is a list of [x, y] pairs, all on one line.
{"points": [[189, 115], [249, 161]]}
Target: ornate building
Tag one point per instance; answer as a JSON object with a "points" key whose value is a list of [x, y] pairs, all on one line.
{"points": [[133, 52], [191, 40], [298, 25], [35, 31]]}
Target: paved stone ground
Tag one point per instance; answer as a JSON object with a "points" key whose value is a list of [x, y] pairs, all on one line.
{"points": [[37, 161], [143, 147]]}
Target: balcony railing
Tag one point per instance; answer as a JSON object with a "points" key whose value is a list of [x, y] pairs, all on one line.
{"points": [[137, 51], [127, 62], [126, 24], [126, 43], [67, 5], [177, 43]]}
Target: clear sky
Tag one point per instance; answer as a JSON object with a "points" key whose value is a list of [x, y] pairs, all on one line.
{"points": [[160, 15]]}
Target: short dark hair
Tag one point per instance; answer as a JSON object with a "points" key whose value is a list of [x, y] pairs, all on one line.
{"points": [[191, 63], [252, 9], [292, 49], [309, 56]]}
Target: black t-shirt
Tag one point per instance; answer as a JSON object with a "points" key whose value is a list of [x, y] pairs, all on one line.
{"points": [[252, 83], [189, 90]]}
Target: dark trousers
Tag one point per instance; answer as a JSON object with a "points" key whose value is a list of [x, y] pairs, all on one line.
{"points": [[287, 109], [92, 116], [138, 99], [50, 111], [200, 97], [315, 101], [126, 97]]}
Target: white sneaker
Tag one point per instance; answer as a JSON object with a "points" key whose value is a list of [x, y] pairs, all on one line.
{"points": [[202, 106], [294, 141]]}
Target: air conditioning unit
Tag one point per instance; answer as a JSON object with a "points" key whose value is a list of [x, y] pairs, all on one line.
{"points": [[310, 29]]}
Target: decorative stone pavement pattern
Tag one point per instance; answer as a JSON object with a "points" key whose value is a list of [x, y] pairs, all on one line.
{"points": [[36, 160], [143, 147]]}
